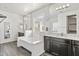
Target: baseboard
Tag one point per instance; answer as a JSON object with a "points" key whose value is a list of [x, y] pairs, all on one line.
{"points": [[7, 41]]}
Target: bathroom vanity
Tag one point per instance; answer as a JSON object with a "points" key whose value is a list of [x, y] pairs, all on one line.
{"points": [[61, 46]]}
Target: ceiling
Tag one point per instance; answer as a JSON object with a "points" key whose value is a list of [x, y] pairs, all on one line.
{"points": [[73, 6], [21, 8], [24, 8]]}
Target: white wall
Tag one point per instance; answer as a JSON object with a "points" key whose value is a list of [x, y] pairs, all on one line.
{"points": [[14, 21], [52, 23], [28, 22], [62, 21]]}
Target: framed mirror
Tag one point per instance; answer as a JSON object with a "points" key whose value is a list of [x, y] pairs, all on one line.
{"points": [[71, 24]]}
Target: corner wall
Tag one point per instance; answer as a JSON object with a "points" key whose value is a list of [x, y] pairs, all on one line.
{"points": [[14, 21]]}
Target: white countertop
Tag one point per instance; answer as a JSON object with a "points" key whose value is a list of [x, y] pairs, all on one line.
{"points": [[65, 36]]}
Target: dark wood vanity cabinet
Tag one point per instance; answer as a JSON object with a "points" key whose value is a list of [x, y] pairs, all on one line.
{"points": [[76, 51], [76, 48], [58, 46], [47, 44]]}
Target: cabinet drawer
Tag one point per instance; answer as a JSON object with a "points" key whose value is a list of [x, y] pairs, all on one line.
{"points": [[46, 37], [76, 43], [66, 41]]}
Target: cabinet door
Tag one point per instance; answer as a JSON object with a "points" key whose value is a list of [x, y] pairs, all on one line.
{"points": [[70, 50], [58, 48], [47, 44], [76, 48], [76, 52]]}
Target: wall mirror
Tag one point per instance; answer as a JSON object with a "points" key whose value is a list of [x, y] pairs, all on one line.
{"points": [[71, 24], [6, 30]]}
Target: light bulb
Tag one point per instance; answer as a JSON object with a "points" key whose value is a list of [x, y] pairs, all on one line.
{"points": [[64, 6], [60, 7], [67, 5], [56, 8]]}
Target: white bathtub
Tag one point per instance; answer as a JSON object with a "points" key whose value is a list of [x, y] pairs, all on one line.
{"points": [[33, 47]]}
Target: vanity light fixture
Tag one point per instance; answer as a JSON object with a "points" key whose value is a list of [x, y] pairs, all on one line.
{"points": [[62, 7]]}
